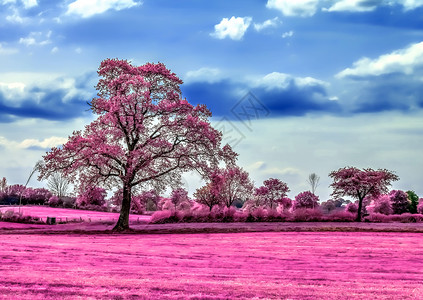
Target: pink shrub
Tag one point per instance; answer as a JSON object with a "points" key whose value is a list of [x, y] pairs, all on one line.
{"points": [[162, 216], [55, 201], [92, 196], [352, 208], [341, 216], [382, 205], [378, 218], [307, 215]]}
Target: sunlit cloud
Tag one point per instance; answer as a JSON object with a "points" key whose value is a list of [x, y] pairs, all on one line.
{"points": [[233, 28]]}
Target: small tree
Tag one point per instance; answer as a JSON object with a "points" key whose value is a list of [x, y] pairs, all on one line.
{"points": [[306, 200], [399, 201], [414, 201], [236, 184], [178, 196], [313, 181], [58, 185], [271, 193], [356, 183], [209, 194]]}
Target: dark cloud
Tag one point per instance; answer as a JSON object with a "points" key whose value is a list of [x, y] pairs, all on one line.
{"points": [[225, 97], [391, 92], [50, 103]]}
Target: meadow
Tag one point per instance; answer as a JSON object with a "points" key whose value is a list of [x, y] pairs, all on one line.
{"points": [[278, 260], [265, 265]]}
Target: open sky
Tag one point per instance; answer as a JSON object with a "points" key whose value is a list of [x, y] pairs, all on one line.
{"points": [[297, 86]]}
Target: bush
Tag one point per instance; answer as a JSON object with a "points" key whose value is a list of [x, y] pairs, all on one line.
{"points": [[341, 216], [308, 215], [55, 201], [163, 216], [352, 208], [383, 205]]}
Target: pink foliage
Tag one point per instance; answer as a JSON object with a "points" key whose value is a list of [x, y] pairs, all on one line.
{"points": [[382, 205], [351, 207], [400, 202], [91, 196], [55, 201], [271, 193], [420, 206], [306, 200], [36, 196], [145, 134], [178, 196], [350, 181]]}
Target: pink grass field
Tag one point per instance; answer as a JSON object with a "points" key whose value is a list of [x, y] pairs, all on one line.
{"points": [[272, 265], [248, 261], [63, 214]]}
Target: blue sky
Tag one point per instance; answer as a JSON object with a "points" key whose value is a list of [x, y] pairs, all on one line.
{"points": [[297, 86]]}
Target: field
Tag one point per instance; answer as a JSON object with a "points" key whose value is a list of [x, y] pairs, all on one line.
{"points": [[67, 214], [82, 261]]}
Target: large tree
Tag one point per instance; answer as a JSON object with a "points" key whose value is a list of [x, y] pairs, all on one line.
{"points": [[144, 137], [356, 183]]}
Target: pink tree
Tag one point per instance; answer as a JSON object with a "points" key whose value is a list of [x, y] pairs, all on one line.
{"points": [[400, 202], [236, 184], [210, 194], [356, 183], [144, 137], [306, 200], [178, 196], [271, 193]]}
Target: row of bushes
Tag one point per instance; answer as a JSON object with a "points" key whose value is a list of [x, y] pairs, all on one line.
{"points": [[231, 214]]}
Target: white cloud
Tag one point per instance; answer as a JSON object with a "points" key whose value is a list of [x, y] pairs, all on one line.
{"points": [[278, 80], [33, 39], [89, 8], [353, 6], [54, 50], [29, 3], [15, 18], [302, 8], [45, 144], [233, 28], [402, 61], [7, 51], [78, 50], [12, 91], [411, 4], [268, 23], [287, 34], [209, 75]]}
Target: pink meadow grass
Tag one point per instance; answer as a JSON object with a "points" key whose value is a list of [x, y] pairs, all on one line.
{"points": [[272, 265]]}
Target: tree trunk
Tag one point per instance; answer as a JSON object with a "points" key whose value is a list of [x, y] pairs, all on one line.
{"points": [[123, 222], [360, 205]]}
